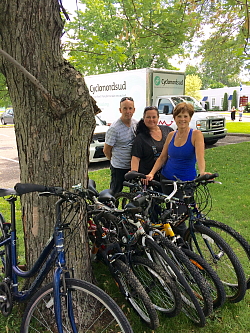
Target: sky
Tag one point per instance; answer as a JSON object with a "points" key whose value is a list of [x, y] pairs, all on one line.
{"points": [[71, 5]]}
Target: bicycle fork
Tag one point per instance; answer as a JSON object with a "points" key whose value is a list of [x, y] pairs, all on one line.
{"points": [[60, 288]]}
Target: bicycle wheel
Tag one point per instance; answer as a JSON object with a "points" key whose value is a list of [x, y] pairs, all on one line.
{"points": [[5, 263], [123, 198], [161, 289], [190, 304], [135, 293], [192, 276], [93, 310], [221, 258], [214, 283], [239, 244]]}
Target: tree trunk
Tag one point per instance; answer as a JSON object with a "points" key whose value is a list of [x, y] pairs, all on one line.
{"points": [[52, 142]]}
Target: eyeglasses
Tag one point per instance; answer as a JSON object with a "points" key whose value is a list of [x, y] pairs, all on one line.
{"points": [[126, 98]]}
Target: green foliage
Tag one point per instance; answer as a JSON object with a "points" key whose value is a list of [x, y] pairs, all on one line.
{"points": [[124, 35], [192, 86], [110, 36], [225, 102], [247, 107], [4, 94], [234, 99]]}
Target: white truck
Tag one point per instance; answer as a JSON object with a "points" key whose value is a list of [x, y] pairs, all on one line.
{"points": [[157, 87]]}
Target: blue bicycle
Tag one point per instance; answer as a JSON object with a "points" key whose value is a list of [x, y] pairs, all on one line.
{"points": [[66, 304]]}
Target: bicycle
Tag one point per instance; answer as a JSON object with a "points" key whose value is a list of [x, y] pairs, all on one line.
{"points": [[159, 287], [66, 304], [140, 242], [200, 239]]}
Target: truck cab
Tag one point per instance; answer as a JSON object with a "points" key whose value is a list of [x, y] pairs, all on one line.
{"points": [[211, 124]]}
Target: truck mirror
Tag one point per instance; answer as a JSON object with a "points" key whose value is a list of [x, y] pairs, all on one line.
{"points": [[165, 109]]}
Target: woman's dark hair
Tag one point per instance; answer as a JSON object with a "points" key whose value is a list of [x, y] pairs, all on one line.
{"points": [[147, 108], [141, 127], [182, 107]]}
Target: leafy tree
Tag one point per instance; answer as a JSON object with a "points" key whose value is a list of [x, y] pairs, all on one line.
{"points": [[121, 35], [234, 99], [54, 118], [226, 52], [225, 102], [192, 86]]}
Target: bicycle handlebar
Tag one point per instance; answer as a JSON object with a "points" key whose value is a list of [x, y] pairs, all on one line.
{"points": [[21, 188], [7, 191], [199, 179]]}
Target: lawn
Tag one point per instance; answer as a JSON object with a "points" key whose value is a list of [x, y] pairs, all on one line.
{"points": [[238, 127], [231, 206]]}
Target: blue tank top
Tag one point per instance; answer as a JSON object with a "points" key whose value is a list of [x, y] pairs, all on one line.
{"points": [[181, 160]]}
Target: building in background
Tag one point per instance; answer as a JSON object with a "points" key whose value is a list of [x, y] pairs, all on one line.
{"points": [[214, 97]]}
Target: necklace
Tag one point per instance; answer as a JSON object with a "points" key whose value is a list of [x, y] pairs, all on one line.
{"points": [[180, 137]]}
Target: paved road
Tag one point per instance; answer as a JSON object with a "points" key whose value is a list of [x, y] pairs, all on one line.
{"points": [[9, 165]]}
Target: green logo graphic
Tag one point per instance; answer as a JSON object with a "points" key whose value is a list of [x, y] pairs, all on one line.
{"points": [[157, 80]]}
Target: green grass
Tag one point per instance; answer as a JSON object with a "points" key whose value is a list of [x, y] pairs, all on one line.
{"points": [[230, 205], [238, 127]]}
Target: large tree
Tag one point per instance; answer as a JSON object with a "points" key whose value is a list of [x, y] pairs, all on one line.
{"points": [[53, 125]]}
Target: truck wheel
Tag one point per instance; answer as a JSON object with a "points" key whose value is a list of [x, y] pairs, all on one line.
{"points": [[210, 142]]}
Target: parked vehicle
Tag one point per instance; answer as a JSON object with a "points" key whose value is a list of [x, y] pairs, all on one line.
{"points": [[158, 87], [96, 147], [7, 117]]}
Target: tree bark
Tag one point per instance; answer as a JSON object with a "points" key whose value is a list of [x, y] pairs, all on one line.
{"points": [[53, 136]]}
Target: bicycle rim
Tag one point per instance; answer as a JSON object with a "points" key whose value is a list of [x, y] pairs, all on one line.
{"points": [[158, 285], [93, 309], [222, 259], [136, 294], [191, 306], [238, 244]]}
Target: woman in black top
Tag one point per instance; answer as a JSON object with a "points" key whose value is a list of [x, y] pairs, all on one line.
{"points": [[149, 141]]}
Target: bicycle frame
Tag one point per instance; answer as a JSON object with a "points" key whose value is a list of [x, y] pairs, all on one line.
{"points": [[52, 254]]}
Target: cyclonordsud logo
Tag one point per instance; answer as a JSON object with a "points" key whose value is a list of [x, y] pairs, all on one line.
{"points": [[157, 80]]}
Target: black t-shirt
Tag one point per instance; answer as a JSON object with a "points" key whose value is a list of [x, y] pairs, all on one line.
{"points": [[148, 149]]}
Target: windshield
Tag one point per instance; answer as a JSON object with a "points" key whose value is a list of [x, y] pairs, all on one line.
{"points": [[188, 99]]}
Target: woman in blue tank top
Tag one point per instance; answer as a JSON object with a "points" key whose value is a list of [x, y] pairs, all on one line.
{"points": [[183, 148]]}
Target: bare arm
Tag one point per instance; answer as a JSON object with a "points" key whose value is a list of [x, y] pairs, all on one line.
{"points": [[135, 163], [107, 151], [162, 158], [198, 142]]}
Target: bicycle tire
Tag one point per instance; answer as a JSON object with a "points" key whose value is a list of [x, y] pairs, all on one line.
{"points": [[161, 289], [135, 294], [191, 306], [194, 278], [5, 269], [215, 285], [225, 263], [236, 241], [97, 312]]}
